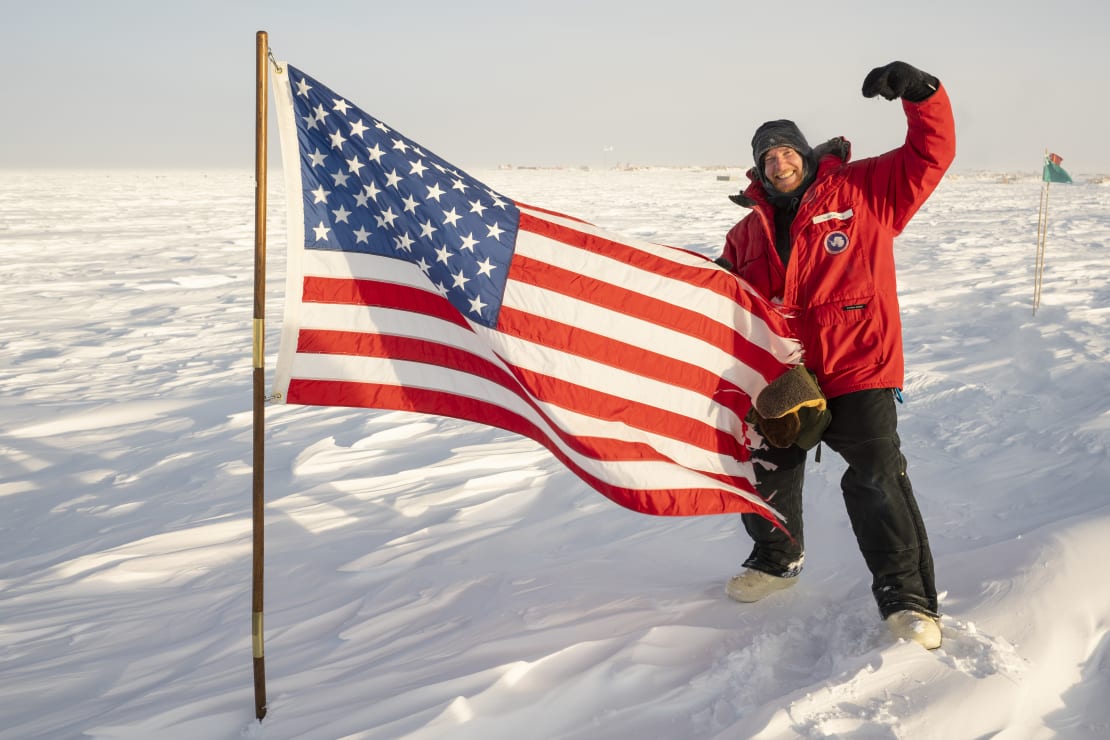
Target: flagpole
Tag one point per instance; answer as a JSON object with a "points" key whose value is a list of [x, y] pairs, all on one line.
{"points": [[258, 478], [1042, 229]]}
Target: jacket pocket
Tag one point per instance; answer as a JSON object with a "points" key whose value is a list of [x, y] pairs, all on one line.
{"points": [[847, 334]]}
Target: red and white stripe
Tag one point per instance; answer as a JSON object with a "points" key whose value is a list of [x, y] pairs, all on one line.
{"points": [[633, 363]]}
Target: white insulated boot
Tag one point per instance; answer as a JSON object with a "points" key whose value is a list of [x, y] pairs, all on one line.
{"points": [[915, 627], [753, 585]]}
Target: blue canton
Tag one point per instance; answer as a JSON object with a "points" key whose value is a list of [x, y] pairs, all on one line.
{"points": [[369, 189]]}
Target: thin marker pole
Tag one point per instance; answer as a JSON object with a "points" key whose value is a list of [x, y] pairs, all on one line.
{"points": [[258, 482], [1042, 232]]}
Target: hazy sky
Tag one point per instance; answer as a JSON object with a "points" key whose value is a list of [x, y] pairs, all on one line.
{"points": [[147, 83]]}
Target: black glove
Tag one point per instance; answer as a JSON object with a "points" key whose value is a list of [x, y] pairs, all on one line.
{"points": [[724, 262], [900, 80]]}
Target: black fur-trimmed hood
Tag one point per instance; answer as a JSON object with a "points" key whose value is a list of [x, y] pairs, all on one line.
{"points": [[829, 155]]}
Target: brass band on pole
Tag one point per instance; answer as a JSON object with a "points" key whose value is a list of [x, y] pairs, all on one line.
{"points": [[256, 634], [258, 352], [262, 48]]}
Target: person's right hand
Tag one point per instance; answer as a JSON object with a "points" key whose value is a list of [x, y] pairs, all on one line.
{"points": [[899, 80]]}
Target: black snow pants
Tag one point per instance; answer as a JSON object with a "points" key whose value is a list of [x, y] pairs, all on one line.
{"points": [[877, 494]]}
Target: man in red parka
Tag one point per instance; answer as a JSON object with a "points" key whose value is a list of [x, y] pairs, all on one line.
{"points": [[820, 241]]}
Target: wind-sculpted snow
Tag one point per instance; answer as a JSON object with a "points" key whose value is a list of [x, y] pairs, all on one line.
{"points": [[427, 578]]}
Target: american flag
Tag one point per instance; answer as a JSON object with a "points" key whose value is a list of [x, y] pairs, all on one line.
{"points": [[415, 287]]}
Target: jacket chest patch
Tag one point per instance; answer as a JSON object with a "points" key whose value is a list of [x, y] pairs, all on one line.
{"points": [[836, 242]]}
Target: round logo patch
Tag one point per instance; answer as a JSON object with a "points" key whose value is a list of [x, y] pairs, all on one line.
{"points": [[836, 242]]}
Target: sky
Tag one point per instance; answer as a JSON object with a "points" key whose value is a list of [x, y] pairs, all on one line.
{"points": [[139, 84]]}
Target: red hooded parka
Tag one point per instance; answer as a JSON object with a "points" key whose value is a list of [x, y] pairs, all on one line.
{"points": [[839, 287]]}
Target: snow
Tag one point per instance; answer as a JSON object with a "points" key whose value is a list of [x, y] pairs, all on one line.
{"points": [[429, 578]]}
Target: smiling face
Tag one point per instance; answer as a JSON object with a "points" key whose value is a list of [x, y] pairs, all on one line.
{"points": [[784, 168]]}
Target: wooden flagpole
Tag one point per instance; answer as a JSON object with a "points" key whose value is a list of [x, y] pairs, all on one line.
{"points": [[259, 324]]}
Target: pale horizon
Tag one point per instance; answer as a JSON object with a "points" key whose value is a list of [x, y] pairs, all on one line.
{"points": [[148, 86]]}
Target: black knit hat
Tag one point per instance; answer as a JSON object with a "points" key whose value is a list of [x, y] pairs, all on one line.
{"points": [[778, 133]]}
